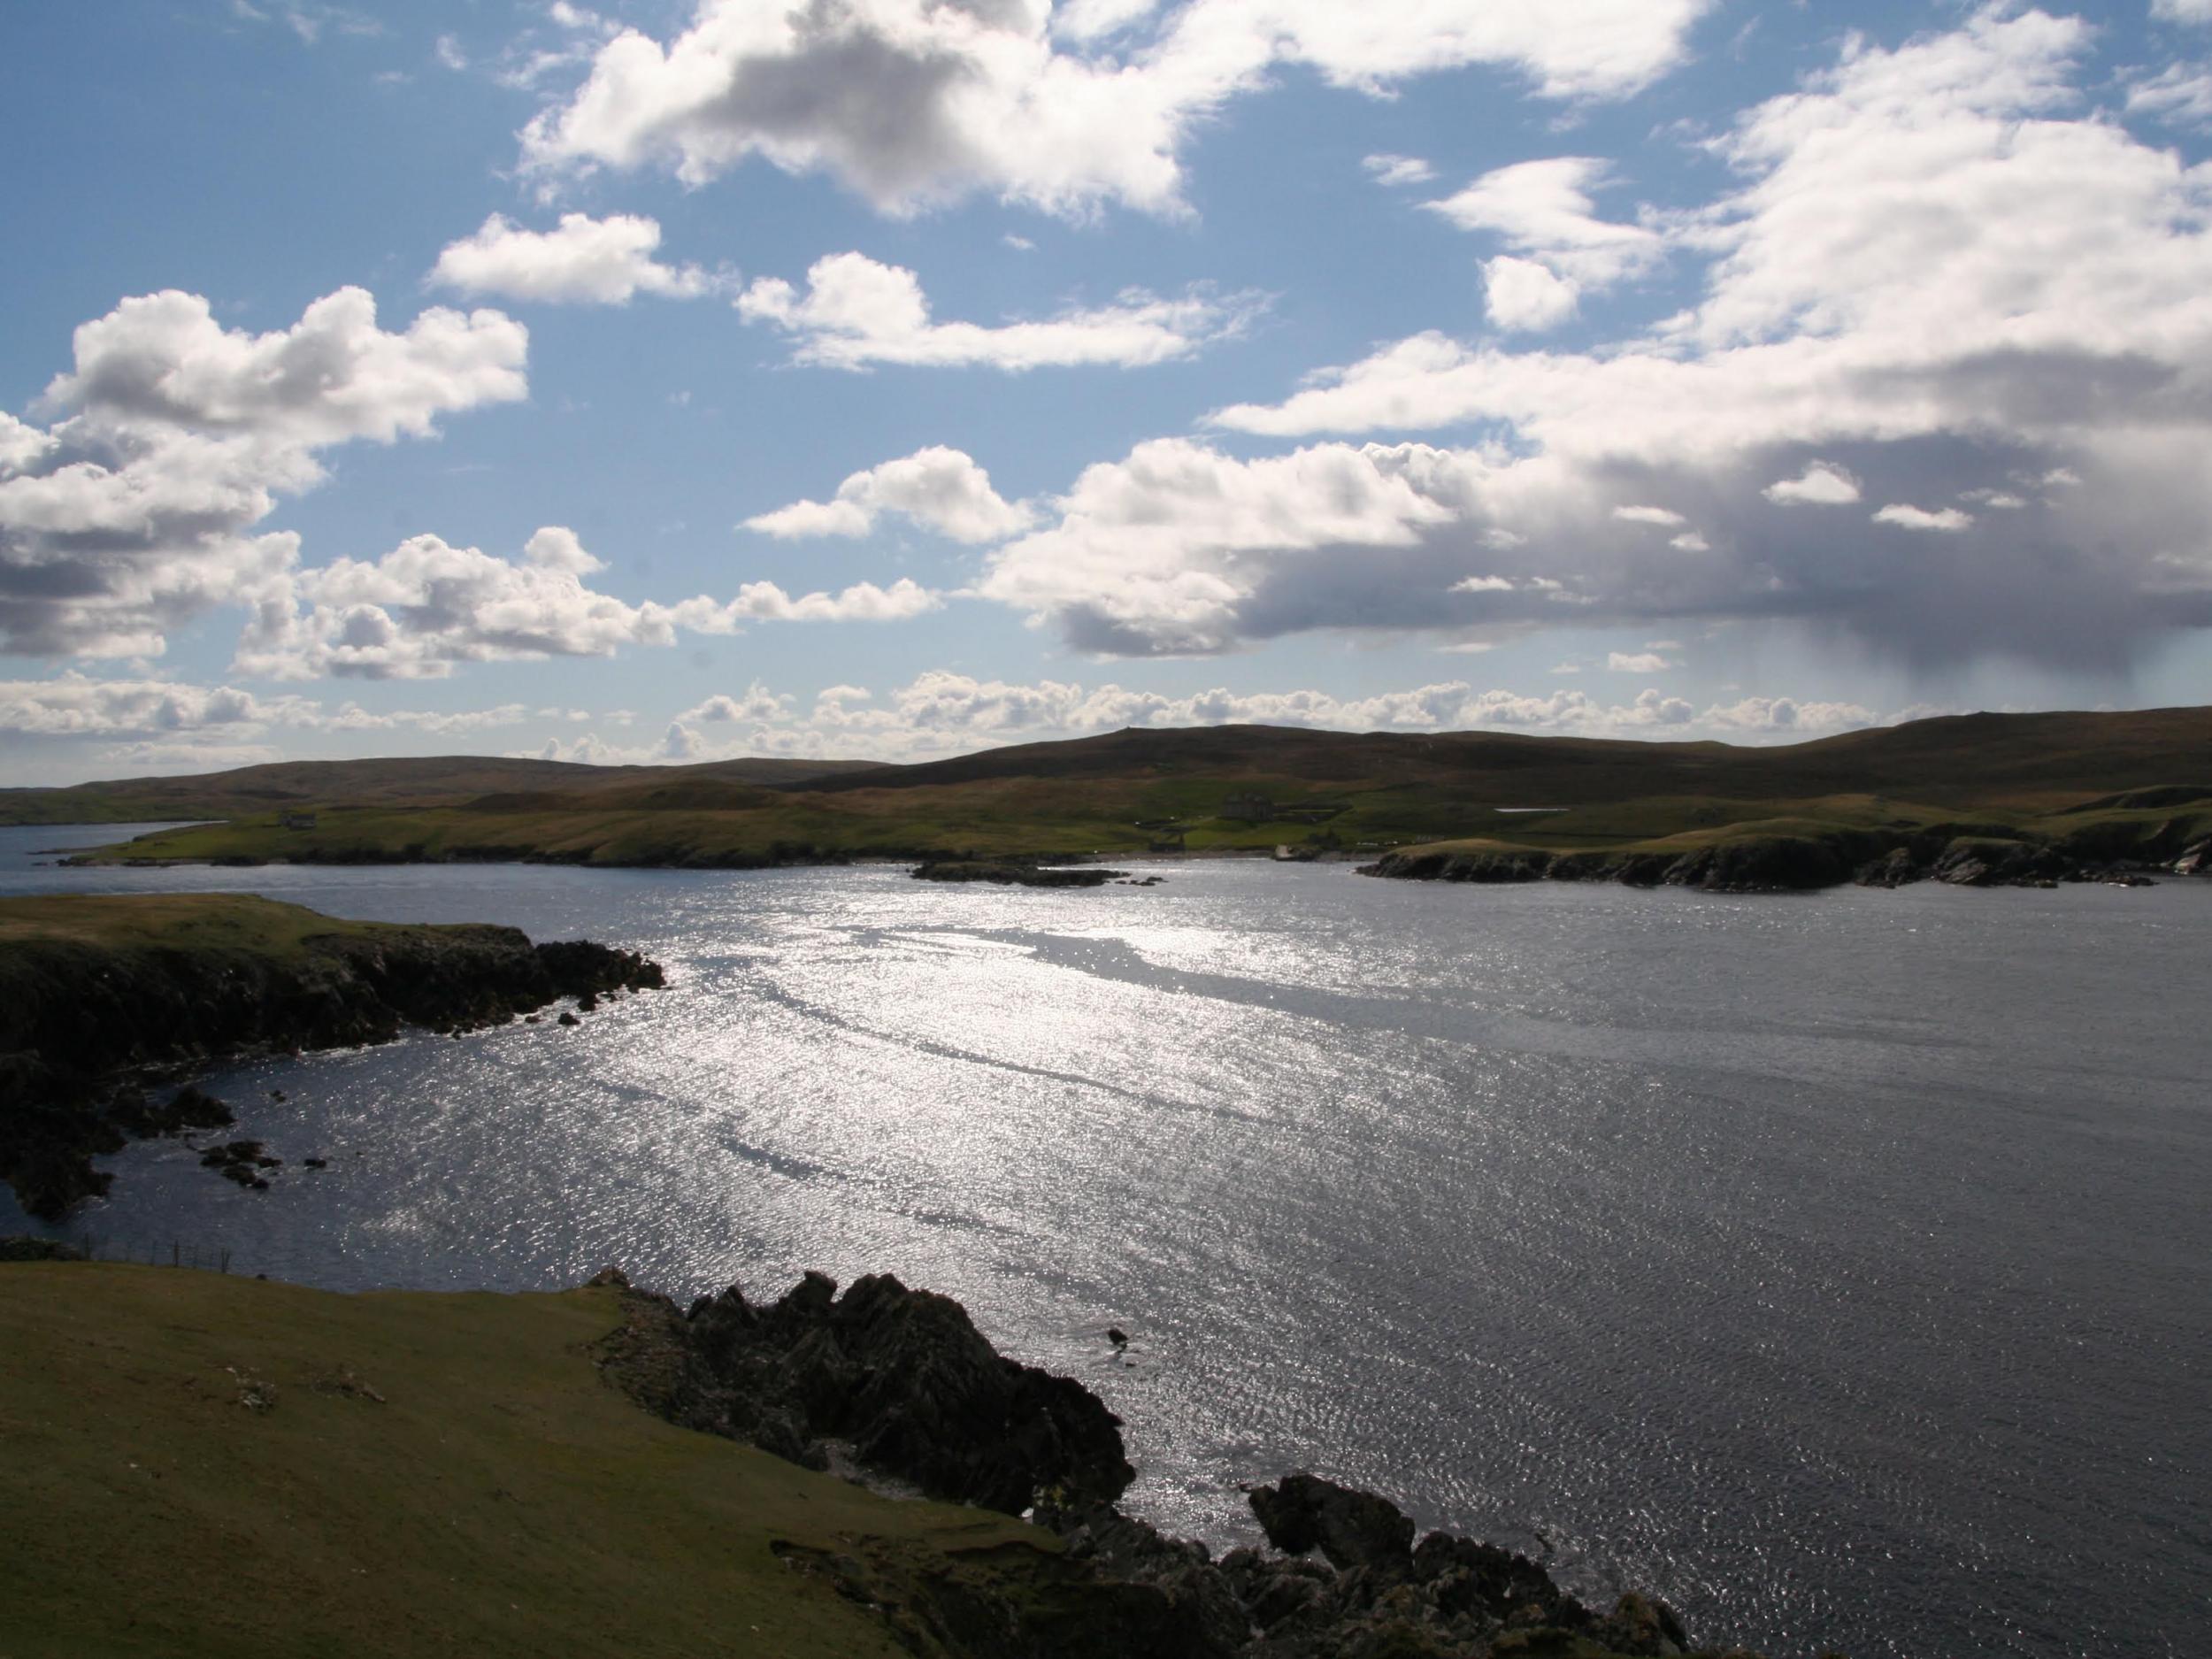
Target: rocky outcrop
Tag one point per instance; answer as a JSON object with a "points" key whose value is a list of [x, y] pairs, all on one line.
{"points": [[1797, 864], [83, 1023], [1376, 1594], [896, 1385], [1782, 863], [1011, 873], [898, 1380]]}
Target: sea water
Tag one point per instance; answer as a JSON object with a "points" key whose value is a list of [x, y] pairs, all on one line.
{"points": [[1832, 1265]]}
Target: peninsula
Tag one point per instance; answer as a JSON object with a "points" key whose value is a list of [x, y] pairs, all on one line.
{"points": [[102, 996]]}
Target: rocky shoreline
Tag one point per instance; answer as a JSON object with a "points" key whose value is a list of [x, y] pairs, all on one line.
{"points": [[1800, 864], [89, 1027], [897, 1389]]}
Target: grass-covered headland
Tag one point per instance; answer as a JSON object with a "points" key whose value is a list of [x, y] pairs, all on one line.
{"points": [[198, 1466], [102, 996], [1974, 798]]}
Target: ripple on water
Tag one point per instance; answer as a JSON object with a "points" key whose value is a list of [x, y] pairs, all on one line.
{"points": [[1830, 1264]]}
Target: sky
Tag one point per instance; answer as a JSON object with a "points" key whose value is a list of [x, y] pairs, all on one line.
{"points": [[672, 380]]}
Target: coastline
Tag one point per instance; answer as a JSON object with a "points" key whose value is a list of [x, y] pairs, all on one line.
{"points": [[104, 996], [848, 1474]]}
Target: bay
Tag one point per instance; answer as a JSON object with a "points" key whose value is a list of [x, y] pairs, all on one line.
{"points": [[1832, 1265]]}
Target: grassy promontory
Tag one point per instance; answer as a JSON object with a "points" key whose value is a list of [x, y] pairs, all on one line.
{"points": [[97, 990], [194, 1466]]}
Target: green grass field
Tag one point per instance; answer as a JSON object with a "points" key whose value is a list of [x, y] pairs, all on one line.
{"points": [[434, 1474]]}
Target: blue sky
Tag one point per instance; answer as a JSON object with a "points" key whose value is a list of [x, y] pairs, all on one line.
{"points": [[898, 377]]}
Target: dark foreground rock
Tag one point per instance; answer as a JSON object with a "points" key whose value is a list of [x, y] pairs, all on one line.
{"points": [[900, 1380], [897, 1385], [83, 1023], [1011, 873]]}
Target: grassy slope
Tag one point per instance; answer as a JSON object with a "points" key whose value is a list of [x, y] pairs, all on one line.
{"points": [[2007, 775], [219, 921], [420, 781], [502, 1500]]}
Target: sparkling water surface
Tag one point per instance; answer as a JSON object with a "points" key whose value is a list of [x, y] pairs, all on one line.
{"points": [[1833, 1265]]}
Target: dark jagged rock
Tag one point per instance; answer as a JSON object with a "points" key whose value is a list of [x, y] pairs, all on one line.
{"points": [[1014, 873], [903, 1379], [1301, 1513], [902, 1376]]}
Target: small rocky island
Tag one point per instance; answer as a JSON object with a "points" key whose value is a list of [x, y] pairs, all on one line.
{"points": [[102, 997], [1014, 872]]}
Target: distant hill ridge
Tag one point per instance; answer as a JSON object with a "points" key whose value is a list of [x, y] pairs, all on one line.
{"points": [[1947, 757]]}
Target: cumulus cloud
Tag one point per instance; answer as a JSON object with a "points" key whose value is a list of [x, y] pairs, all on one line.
{"points": [[941, 711], [939, 489], [173, 437], [913, 103], [75, 706], [2179, 94], [1935, 272], [204, 723], [1526, 296], [1542, 211], [1910, 517], [1637, 663], [1822, 484], [426, 607], [856, 312], [586, 260], [2183, 11]]}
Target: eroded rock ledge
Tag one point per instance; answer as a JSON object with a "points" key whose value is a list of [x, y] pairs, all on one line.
{"points": [[897, 1386]]}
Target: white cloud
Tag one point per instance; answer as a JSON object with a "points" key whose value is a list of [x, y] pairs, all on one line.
{"points": [[209, 717], [1638, 663], [2183, 11], [1526, 296], [1910, 517], [74, 706], [912, 103], [940, 489], [427, 606], [174, 437], [1543, 209], [450, 54], [1937, 270], [941, 711], [1397, 171], [2180, 94], [1664, 517], [856, 312], [586, 260], [1822, 484]]}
